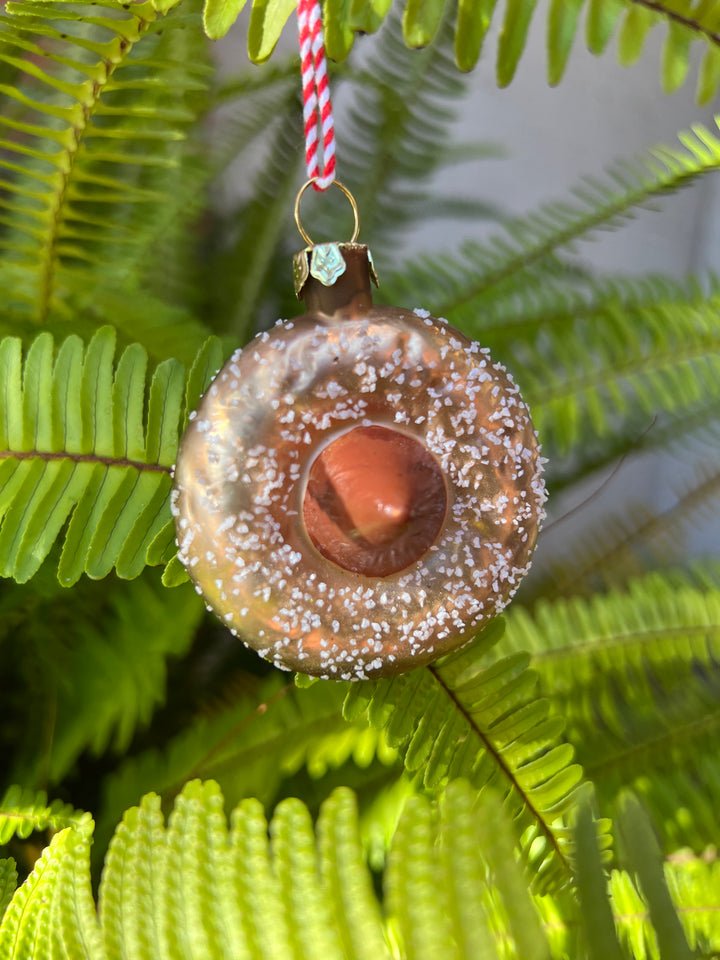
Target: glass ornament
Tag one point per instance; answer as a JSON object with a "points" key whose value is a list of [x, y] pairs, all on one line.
{"points": [[360, 489]]}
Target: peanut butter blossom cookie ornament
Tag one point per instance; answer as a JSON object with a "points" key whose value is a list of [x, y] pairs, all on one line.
{"points": [[360, 489]]}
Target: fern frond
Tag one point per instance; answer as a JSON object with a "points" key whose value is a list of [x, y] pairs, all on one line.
{"points": [[634, 674], [8, 883], [97, 123], [435, 885], [23, 811], [82, 461], [694, 885], [402, 106], [234, 893], [462, 286], [602, 941], [453, 887], [688, 24], [636, 538], [250, 745], [663, 358], [460, 719], [116, 674], [164, 330], [642, 855], [52, 913], [240, 278]]}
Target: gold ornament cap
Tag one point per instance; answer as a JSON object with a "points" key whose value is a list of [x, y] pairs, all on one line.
{"points": [[327, 263]]}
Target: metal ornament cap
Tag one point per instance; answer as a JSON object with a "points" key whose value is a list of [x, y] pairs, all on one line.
{"points": [[292, 402]]}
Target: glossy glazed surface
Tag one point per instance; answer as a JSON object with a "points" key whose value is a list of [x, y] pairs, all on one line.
{"points": [[243, 472]]}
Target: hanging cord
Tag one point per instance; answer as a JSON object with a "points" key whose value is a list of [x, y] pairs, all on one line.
{"points": [[316, 91]]}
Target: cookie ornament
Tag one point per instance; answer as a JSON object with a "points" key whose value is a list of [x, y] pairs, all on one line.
{"points": [[360, 488]]}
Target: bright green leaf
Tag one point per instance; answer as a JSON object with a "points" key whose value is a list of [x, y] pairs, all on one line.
{"points": [[267, 19], [220, 15]]}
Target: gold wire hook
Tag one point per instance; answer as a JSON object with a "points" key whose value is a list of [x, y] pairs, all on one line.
{"points": [[347, 193]]}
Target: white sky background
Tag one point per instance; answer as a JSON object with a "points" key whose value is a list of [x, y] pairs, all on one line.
{"points": [[599, 113]]}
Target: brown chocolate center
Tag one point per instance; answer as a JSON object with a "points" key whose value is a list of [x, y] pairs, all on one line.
{"points": [[375, 501]]}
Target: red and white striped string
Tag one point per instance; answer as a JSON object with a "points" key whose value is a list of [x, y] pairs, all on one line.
{"points": [[316, 93]]}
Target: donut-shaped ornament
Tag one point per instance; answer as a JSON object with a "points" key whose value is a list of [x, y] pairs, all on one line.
{"points": [[360, 488]]}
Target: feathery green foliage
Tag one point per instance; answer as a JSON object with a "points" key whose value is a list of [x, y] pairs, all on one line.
{"points": [[22, 812], [76, 444], [688, 24], [249, 742], [634, 675], [91, 145], [452, 887], [457, 718]]}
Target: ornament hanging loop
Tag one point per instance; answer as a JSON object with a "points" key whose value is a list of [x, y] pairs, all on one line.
{"points": [[347, 193]]}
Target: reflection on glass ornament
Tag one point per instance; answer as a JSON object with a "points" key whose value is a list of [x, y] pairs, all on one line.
{"points": [[360, 488]]}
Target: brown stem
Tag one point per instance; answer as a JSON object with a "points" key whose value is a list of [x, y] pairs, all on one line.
{"points": [[499, 759], [673, 15]]}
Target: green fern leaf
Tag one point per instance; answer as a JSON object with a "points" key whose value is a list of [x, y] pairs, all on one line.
{"points": [[233, 893], [118, 673], [22, 812], [473, 22], [484, 272], [688, 23], [243, 271], [633, 33], [644, 860], [220, 15], [75, 448], [602, 15], [52, 914], [8, 884], [452, 887], [249, 745], [513, 37], [133, 882], [104, 81], [602, 941], [300, 890], [266, 22], [458, 719], [352, 904], [421, 21], [367, 15], [634, 675], [562, 26]]}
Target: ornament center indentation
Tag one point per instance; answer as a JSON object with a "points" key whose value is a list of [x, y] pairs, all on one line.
{"points": [[375, 501]]}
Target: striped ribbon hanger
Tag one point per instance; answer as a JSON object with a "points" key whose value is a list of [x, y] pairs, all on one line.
{"points": [[317, 109]]}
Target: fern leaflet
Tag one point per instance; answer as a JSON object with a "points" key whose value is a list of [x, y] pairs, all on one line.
{"points": [[486, 272], [81, 461], [458, 719], [634, 674], [93, 126], [23, 811], [249, 745], [288, 889], [687, 22]]}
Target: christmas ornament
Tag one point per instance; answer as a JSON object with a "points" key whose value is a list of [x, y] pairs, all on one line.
{"points": [[360, 488]]}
